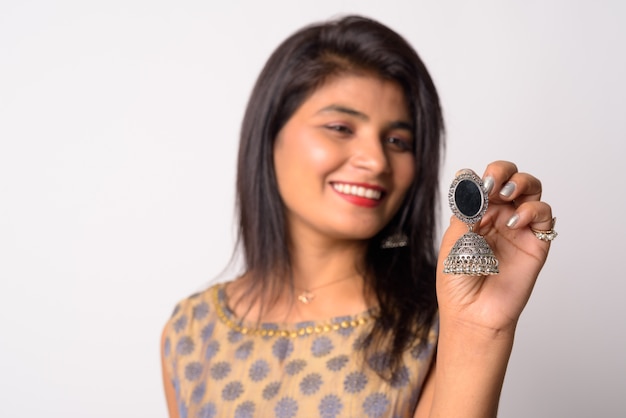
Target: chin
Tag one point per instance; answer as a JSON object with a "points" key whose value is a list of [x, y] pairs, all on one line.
{"points": [[357, 235]]}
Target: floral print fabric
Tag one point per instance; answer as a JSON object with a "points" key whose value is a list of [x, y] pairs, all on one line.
{"points": [[222, 369]]}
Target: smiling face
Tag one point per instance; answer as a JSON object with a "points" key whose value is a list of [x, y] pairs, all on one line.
{"points": [[344, 160]]}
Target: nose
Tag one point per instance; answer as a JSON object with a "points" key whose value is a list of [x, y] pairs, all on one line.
{"points": [[370, 154]]}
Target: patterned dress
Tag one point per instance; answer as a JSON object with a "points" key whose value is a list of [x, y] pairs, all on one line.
{"points": [[221, 367]]}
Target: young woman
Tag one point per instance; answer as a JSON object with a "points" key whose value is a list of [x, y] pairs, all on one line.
{"points": [[343, 309]]}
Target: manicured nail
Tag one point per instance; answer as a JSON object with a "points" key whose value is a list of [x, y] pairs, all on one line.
{"points": [[513, 221], [508, 189], [488, 183]]}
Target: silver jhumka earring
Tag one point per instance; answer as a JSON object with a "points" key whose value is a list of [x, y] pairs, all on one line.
{"points": [[471, 254]]}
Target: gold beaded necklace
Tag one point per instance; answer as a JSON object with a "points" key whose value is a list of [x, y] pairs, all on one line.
{"points": [[348, 322]]}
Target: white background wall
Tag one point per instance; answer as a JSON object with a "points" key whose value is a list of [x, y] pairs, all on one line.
{"points": [[119, 124]]}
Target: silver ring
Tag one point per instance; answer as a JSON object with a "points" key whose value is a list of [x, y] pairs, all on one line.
{"points": [[548, 235]]}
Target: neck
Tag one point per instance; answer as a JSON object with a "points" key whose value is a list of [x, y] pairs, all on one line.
{"points": [[331, 272], [328, 277], [315, 266]]}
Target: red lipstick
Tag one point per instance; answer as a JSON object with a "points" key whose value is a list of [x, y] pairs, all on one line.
{"points": [[360, 194]]}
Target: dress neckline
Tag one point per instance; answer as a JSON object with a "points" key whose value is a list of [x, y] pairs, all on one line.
{"points": [[289, 330]]}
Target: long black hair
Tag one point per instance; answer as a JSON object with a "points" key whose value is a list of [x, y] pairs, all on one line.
{"points": [[403, 278]]}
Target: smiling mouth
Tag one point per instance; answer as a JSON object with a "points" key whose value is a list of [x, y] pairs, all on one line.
{"points": [[359, 191]]}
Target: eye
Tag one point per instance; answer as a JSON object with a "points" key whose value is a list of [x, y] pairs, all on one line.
{"points": [[339, 129], [399, 144]]}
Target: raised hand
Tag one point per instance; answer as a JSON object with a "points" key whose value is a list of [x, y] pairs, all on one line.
{"points": [[515, 206]]}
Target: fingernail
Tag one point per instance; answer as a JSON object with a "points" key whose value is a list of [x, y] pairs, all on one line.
{"points": [[508, 189], [488, 183], [513, 221]]}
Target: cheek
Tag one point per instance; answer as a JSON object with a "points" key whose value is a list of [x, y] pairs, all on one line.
{"points": [[405, 173], [302, 163], [320, 158], [314, 157]]}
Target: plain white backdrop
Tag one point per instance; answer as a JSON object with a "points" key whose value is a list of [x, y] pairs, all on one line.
{"points": [[119, 125]]}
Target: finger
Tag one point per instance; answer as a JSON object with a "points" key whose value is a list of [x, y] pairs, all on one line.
{"points": [[496, 175], [519, 187], [535, 214]]}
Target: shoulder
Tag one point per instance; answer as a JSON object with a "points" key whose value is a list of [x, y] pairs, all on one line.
{"points": [[188, 325], [194, 307], [190, 316]]}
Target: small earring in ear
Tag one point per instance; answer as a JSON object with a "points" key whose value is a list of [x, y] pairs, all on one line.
{"points": [[397, 240]]}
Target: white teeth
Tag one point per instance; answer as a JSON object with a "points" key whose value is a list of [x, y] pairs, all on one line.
{"points": [[357, 191]]}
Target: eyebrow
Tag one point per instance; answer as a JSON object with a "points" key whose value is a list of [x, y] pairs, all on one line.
{"points": [[360, 115], [343, 109]]}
